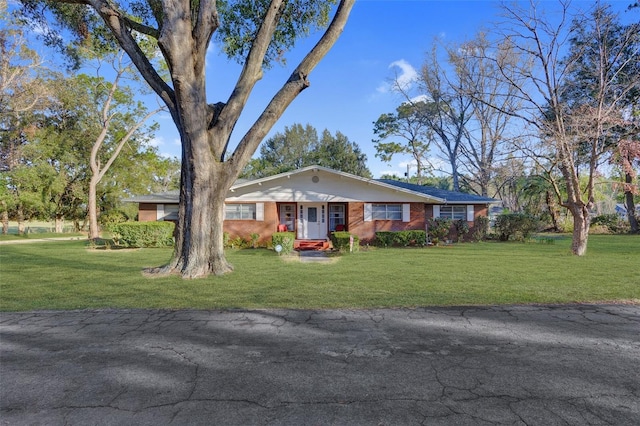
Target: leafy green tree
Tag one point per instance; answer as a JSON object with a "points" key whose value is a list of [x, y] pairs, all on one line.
{"points": [[603, 94], [299, 146], [406, 131], [121, 124], [255, 33], [22, 94], [339, 153], [289, 150]]}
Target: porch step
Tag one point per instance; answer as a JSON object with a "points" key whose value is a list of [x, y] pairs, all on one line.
{"points": [[304, 245]]}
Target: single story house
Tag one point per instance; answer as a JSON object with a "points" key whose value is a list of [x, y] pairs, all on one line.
{"points": [[314, 201]]}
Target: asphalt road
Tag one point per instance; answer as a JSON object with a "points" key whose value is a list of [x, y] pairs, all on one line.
{"points": [[527, 365]]}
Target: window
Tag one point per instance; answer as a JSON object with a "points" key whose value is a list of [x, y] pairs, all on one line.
{"points": [[240, 212], [336, 216], [167, 212], [386, 211], [453, 212]]}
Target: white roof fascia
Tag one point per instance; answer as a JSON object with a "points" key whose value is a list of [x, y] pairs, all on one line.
{"points": [[339, 173]]}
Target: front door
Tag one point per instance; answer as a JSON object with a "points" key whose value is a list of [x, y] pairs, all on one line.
{"points": [[313, 222]]}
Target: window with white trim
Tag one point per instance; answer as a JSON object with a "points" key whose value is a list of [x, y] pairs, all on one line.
{"points": [[170, 212], [386, 211], [453, 212], [240, 212]]}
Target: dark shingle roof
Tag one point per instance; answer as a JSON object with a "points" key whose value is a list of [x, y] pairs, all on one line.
{"points": [[449, 196]]}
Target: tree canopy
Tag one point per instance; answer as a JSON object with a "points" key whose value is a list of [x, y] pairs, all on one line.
{"points": [[300, 146], [255, 33]]}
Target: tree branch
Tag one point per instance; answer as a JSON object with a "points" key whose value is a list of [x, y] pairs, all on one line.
{"points": [[296, 83], [119, 25], [250, 75]]}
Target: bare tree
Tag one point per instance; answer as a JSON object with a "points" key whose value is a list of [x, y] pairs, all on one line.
{"points": [[491, 128], [255, 32], [448, 111], [574, 142]]}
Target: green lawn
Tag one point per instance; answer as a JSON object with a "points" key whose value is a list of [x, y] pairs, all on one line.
{"points": [[67, 275]]}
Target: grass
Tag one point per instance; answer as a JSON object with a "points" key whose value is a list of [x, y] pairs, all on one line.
{"points": [[67, 275]]}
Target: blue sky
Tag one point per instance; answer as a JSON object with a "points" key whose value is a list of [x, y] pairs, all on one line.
{"points": [[350, 88]]}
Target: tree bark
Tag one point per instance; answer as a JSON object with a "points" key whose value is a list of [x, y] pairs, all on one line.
{"points": [[59, 224], [20, 217], [630, 205], [94, 232], [5, 218], [199, 247], [580, 230], [553, 211]]}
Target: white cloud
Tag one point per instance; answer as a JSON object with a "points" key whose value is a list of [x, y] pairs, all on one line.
{"points": [[404, 78], [421, 98], [156, 142], [407, 76]]}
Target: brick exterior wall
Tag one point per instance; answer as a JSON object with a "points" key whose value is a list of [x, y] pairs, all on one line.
{"points": [[147, 212], [367, 230], [265, 228]]}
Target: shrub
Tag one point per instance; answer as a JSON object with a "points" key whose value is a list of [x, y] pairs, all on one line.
{"points": [[254, 239], [342, 240], [612, 222], [111, 218], [439, 229], [517, 226], [462, 228], [143, 234], [284, 240], [236, 243], [400, 238], [480, 228]]}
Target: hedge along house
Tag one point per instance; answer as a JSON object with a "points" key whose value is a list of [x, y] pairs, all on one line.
{"points": [[315, 201]]}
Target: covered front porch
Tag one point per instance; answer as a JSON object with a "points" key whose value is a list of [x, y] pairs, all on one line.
{"points": [[312, 221]]}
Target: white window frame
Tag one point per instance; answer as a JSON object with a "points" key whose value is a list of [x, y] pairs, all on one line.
{"points": [[386, 211], [451, 211], [248, 211]]}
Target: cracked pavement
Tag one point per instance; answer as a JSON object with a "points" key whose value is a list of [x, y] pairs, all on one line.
{"points": [[513, 365]]}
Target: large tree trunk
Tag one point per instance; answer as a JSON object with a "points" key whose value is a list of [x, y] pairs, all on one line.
{"points": [[630, 205], [5, 218], [581, 223], [553, 211], [20, 214], [59, 224], [205, 182], [94, 231]]}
